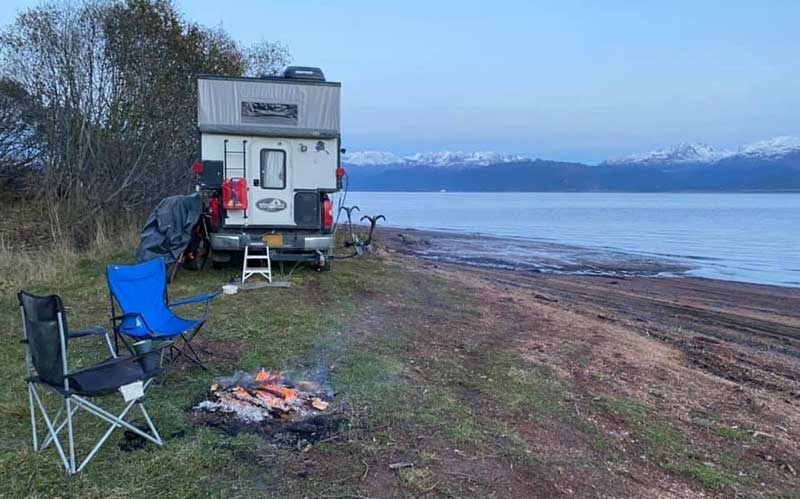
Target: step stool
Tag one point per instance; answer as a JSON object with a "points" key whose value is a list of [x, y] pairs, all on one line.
{"points": [[248, 271]]}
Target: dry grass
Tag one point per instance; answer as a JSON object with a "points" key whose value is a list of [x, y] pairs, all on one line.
{"points": [[24, 266]]}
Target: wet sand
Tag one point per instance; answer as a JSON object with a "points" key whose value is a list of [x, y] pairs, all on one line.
{"points": [[527, 256], [642, 290]]}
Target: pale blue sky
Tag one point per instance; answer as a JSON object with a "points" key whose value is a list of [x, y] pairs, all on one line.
{"points": [[554, 79]]}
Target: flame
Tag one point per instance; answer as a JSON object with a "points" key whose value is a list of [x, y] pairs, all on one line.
{"points": [[281, 391], [270, 382], [269, 398], [268, 393], [264, 377], [241, 392]]}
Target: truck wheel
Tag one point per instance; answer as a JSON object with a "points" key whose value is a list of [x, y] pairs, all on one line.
{"points": [[201, 255], [220, 259]]}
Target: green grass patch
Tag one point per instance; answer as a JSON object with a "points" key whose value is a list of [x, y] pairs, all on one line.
{"points": [[736, 435], [671, 449], [708, 474]]}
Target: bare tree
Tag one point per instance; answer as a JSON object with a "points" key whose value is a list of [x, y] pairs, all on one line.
{"points": [[266, 58], [112, 86], [19, 140], [56, 55]]}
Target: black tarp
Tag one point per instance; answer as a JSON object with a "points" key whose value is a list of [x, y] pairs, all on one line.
{"points": [[169, 229]]}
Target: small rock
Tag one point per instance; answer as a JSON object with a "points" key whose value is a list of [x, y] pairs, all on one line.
{"points": [[408, 239]]}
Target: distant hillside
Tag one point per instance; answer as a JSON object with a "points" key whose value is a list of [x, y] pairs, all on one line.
{"points": [[765, 166]]}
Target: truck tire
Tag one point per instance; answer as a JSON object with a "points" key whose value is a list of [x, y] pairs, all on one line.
{"points": [[221, 259]]}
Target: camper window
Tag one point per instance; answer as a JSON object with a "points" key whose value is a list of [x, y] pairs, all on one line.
{"points": [[273, 169]]}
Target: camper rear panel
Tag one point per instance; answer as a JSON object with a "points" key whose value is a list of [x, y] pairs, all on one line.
{"points": [[276, 170], [278, 138]]}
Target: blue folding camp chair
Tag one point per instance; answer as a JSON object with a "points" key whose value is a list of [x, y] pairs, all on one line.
{"points": [[141, 292]]}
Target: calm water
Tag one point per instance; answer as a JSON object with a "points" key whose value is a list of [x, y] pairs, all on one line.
{"points": [[741, 237]]}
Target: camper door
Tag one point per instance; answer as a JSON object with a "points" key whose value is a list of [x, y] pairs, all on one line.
{"points": [[270, 184]]}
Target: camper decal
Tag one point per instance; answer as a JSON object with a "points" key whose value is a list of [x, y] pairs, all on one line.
{"points": [[269, 112], [271, 204]]}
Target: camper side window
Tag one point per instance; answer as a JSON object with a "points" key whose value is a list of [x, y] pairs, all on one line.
{"points": [[273, 169]]}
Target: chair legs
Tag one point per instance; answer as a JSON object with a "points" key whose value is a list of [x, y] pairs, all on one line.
{"points": [[33, 418], [187, 350], [70, 408], [175, 351]]}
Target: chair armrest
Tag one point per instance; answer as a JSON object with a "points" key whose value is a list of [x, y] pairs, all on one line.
{"points": [[116, 360], [128, 316], [88, 332], [195, 299]]}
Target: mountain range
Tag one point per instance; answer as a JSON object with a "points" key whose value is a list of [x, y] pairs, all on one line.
{"points": [[769, 165]]}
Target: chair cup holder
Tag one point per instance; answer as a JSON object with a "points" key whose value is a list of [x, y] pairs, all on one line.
{"points": [[148, 358]]}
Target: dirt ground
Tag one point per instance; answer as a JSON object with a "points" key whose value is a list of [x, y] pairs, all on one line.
{"points": [[675, 387]]}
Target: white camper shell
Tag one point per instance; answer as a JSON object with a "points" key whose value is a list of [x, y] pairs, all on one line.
{"points": [[280, 136]]}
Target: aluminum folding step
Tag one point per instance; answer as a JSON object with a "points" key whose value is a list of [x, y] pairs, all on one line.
{"points": [[261, 255]]}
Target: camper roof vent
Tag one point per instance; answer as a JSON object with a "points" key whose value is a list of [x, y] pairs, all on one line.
{"points": [[303, 73]]}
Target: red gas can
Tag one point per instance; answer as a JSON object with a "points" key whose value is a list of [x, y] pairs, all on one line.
{"points": [[234, 194]]}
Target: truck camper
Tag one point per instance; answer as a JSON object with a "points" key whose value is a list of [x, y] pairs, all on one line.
{"points": [[270, 161]]}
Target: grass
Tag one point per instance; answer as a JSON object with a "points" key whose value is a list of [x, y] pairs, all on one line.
{"points": [[710, 475], [735, 434], [273, 329], [305, 327], [673, 450], [418, 380]]}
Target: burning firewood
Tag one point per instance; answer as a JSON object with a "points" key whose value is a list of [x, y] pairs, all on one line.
{"points": [[267, 395]]}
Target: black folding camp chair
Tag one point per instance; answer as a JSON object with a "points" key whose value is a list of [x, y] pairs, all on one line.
{"points": [[46, 338]]}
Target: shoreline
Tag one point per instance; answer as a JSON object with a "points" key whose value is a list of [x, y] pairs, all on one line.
{"points": [[703, 355], [543, 256]]}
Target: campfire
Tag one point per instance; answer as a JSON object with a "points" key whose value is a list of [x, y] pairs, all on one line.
{"points": [[267, 396]]}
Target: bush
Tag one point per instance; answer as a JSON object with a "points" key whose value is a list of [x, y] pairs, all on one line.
{"points": [[100, 104]]}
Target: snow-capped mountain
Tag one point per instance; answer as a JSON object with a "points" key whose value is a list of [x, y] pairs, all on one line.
{"points": [[459, 158], [766, 166], [772, 148], [680, 154], [687, 154], [442, 159], [370, 158], [699, 153]]}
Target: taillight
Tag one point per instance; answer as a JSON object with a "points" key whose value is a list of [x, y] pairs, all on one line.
{"points": [[340, 173], [234, 194], [327, 214], [213, 211]]}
